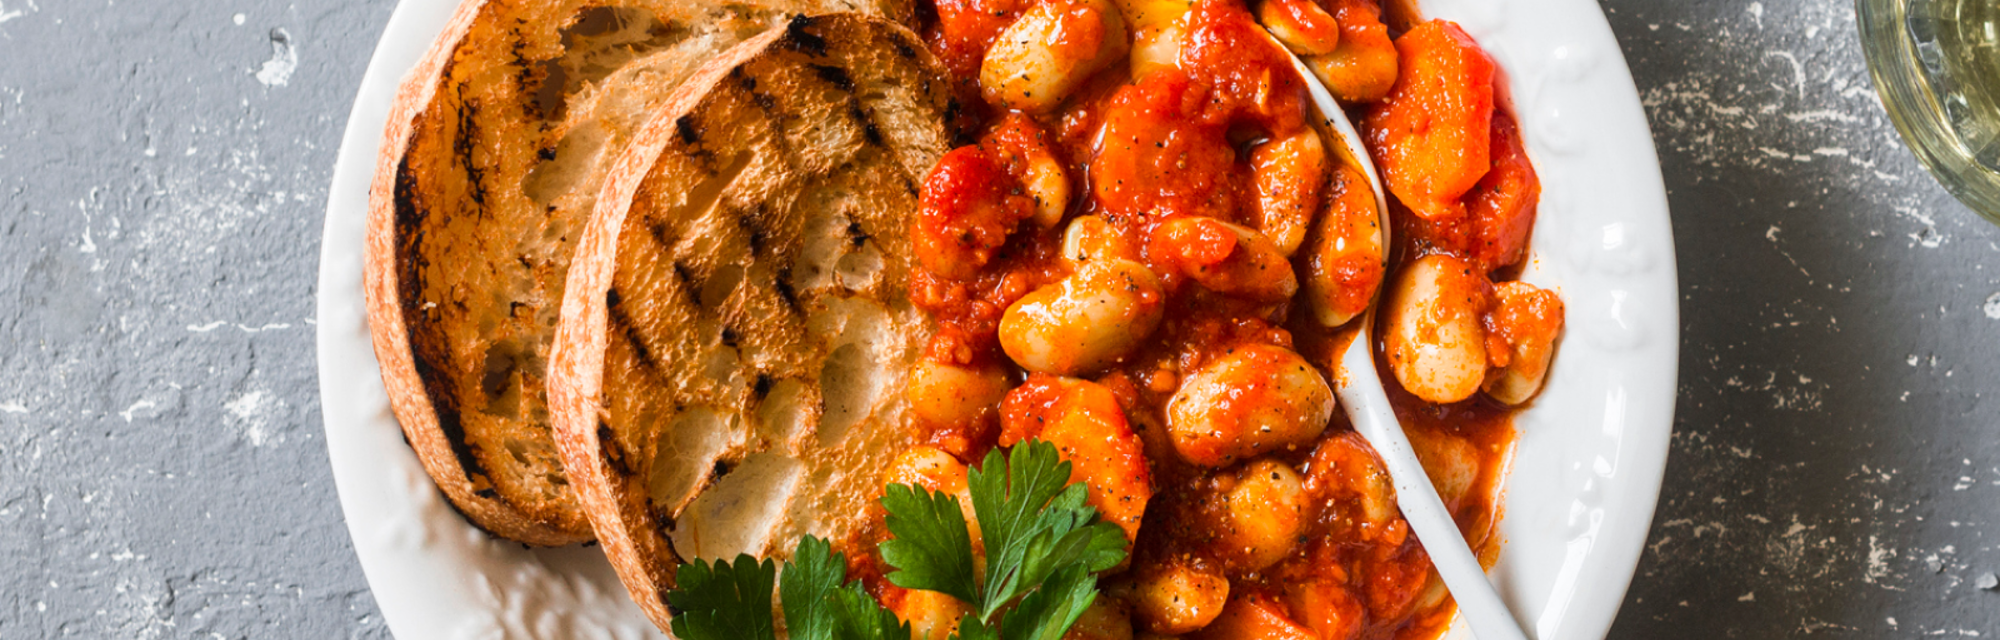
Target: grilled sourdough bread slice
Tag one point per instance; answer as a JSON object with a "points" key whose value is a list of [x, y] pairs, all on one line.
{"points": [[496, 146], [737, 327]]}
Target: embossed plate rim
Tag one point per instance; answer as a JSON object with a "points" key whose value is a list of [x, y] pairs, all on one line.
{"points": [[1604, 239]]}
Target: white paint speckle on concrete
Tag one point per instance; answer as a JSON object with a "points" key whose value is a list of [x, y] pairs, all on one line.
{"points": [[252, 415], [1992, 306], [1878, 560], [277, 71], [6, 15], [135, 408], [269, 326]]}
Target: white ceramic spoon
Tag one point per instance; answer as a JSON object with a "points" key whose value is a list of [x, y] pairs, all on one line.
{"points": [[1360, 391]]}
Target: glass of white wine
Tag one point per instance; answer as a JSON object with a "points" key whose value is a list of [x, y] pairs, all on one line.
{"points": [[1936, 65]]}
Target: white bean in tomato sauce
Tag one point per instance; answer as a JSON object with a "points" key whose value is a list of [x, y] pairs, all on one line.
{"points": [[1088, 320], [1253, 400], [1051, 49], [1432, 332]]}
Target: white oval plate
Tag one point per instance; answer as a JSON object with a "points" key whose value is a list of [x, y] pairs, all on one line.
{"points": [[1584, 477]]}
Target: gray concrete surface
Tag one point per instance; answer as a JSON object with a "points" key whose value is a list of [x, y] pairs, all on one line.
{"points": [[163, 170], [162, 468], [1836, 461]]}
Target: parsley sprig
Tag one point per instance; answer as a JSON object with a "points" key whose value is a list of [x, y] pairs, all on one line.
{"points": [[1044, 547]]}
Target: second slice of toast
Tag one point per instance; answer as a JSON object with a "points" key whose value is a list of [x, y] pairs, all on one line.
{"points": [[736, 327]]}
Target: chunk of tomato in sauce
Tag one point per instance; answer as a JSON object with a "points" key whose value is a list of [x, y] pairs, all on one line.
{"points": [[1502, 205], [1157, 160], [1500, 210], [1432, 135], [1015, 141], [1248, 77], [970, 205], [1255, 617]]}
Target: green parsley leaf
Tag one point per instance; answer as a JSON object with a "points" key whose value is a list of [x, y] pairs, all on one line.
{"points": [[807, 585], [862, 618], [1048, 612], [931, 548], [1008, 493], [723, 601], [820, 604], [1035, 522], [1077, 535]]}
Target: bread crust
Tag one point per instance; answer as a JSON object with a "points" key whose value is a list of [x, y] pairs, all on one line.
{"points": [[681, 172]]}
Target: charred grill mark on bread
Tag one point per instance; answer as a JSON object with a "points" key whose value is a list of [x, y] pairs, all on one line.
{"points": [[681, 270], [756, 230], [836, 76], [955, 112], [748, 85], [867, 121], [799, 36], [453, 428], [664, 237], [689, 135], [782, 285], [614, 454], [468, 131], [624, 328], [856, 110]]}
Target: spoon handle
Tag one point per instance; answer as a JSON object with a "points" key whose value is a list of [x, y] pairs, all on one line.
{"points": [[1360, 390]]}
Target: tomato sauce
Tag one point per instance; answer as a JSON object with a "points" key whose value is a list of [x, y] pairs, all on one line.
{"points": [[1164, 161]]}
